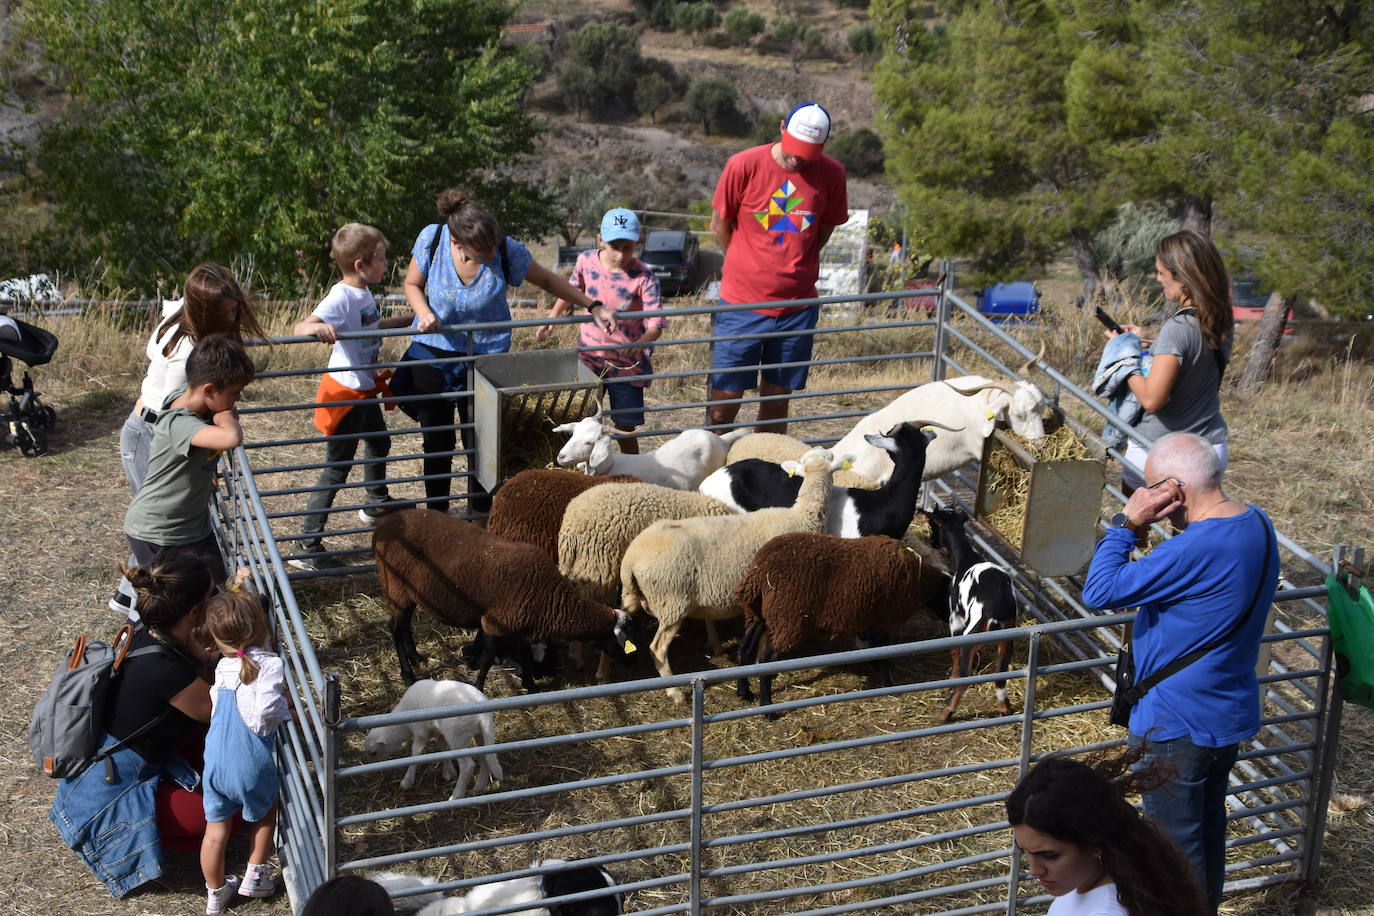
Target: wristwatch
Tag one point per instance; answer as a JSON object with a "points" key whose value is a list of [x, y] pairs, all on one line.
{"points": [[594, 304], [1121, 520]]}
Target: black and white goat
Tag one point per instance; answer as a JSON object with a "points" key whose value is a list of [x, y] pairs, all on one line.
{"points": [[980, 600], [852, 513]]}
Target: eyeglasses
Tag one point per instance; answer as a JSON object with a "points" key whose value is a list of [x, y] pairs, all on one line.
{"points": [[1163, 481]]}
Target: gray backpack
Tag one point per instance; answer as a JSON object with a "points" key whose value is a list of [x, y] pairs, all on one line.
{"points": [[69, 721]]}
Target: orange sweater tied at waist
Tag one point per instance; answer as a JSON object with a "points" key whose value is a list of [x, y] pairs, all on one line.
{"points": [[327, 419]]}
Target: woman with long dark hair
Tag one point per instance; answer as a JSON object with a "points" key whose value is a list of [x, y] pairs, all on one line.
{"points": [[460, 271], [1190, 352], [1090, 849]]}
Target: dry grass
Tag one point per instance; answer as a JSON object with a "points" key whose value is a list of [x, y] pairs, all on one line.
{"points": [[61, 517]]}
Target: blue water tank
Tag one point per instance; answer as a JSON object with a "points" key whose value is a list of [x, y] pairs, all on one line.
{"points": [[1010, 301]]}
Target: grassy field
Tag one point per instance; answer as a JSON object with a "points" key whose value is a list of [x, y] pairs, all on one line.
{"points": [[1300, 449]]}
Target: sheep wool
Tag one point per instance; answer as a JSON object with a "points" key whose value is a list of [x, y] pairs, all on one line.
{"points": [[468, 576], [818, 586], [600, 524], [777, 448], [677, 569], [529, 507]]}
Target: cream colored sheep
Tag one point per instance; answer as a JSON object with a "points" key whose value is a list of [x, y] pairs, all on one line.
{"points": [[777, 448], [599, 524], [689, 568]]}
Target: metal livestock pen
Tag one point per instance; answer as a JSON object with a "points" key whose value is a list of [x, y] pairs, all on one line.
{"points": [[855, 800]]}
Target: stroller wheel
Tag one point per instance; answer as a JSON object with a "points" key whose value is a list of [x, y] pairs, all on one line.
{"points": [[29, 441], [46, 417]]}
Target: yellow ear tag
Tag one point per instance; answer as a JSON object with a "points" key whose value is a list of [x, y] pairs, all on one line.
{"points": [[991, 414], [846, 465], [629, 647], [791, 472]]}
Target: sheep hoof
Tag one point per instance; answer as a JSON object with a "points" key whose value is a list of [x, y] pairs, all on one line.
{"points": [[677, 696], [408, 782], [945, 716], [772, 716]]}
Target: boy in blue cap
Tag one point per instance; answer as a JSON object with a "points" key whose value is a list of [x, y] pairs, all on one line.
{"points": [[613, 273]]}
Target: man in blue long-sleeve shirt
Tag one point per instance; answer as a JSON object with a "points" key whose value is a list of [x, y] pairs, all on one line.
{"points": [[1191, 589]]}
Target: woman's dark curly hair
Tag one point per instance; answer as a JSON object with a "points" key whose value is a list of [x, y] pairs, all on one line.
{"points": [[1082, 803]]}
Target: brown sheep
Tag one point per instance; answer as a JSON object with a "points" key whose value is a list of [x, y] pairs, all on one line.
{"points": [[469, 577], [819, 586], [529, 507]]}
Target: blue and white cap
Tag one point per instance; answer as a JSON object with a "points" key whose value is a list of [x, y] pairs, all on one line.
{"points": [[620, 225]]}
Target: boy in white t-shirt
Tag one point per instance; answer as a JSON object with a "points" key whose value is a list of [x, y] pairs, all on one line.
{"points": [[360, 252]]}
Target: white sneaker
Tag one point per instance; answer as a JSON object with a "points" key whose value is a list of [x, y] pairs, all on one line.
{"points": [[257, 882], [217, 899]]}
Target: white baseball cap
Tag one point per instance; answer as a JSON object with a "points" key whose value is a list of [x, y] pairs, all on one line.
{"points": [[805, 131]]}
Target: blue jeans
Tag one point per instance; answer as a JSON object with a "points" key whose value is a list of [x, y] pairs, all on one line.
{"points": [[112, 826], [1190, 809]]}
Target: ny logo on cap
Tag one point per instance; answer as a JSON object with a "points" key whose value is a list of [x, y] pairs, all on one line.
{"points": [[621, 221]]}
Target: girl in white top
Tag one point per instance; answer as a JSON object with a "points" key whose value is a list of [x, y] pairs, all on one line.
{"points": [[214, 303], [248, 703], [1090, 849]]}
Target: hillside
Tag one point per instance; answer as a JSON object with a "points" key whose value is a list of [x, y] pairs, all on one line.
{"points": [[670, 164]]}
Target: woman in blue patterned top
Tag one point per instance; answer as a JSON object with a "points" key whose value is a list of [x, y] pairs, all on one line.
{"points": [[459, 272]]}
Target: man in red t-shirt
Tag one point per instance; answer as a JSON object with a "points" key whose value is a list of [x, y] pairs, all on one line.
{"points": [[774, 208]]}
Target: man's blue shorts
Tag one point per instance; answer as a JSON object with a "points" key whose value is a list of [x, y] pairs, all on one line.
{"points": [[730, 354], [626, 396]]}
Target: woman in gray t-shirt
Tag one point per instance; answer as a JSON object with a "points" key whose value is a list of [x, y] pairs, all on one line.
{"points": [[1182, 391]]}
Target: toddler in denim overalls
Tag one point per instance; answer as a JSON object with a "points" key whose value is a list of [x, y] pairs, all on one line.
{"points": [[249, 702]]}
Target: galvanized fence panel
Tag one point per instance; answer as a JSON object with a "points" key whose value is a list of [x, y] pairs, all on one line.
{"points": [[854, 800]]}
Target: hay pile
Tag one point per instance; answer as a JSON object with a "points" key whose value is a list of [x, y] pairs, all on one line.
{"points": [[1004, 475]]}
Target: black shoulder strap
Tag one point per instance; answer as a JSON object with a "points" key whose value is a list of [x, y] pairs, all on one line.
{"points": [[1140, 688], [505, 260], [433, 247]]}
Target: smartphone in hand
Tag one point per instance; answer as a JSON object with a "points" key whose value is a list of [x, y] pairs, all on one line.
{"points": [[1107, 320]]}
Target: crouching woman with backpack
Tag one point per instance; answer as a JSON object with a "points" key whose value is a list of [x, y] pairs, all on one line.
{"points": [[121, 811]]}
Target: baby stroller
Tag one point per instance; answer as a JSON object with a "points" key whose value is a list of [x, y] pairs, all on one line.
{"points": [[23, 416]]}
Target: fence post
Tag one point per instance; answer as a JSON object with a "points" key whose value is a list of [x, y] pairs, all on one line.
{"points": [[1325, 756], [332, 710], [698, 753], [937, 366], [1027, 733]]}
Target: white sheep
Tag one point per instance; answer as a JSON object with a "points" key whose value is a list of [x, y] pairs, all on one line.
{"points": [[777, 448], [971, 401], [393, 881], [689, 568], [458, 732], [681, 462], [534, 888]]}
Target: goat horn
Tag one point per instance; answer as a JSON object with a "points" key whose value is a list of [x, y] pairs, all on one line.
{"points": [[921, 423], [1000, 384], [1025, 370]]}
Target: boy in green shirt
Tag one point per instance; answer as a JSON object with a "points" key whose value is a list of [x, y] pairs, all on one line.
{"points": [[194, 426]]}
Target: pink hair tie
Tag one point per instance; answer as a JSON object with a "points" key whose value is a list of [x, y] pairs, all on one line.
{"points": [[239, 653]]}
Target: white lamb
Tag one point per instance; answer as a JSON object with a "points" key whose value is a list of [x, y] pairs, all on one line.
{"points": [[458, 732], [393, 881], [689, 568], [681, 463]]}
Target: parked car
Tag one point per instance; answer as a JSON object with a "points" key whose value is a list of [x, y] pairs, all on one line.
{"points": [[672, 255], [568, 254], [1248, 300]]}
